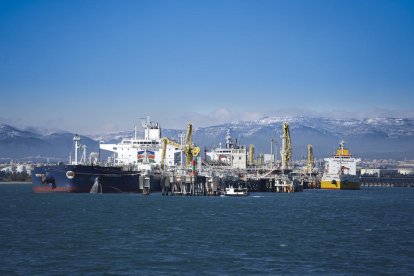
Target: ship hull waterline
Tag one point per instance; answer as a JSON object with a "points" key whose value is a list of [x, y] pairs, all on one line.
{"points": [[81, 179], [340, 185]]}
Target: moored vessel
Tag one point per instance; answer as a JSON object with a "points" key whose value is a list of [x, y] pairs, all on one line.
{"points": [[83, 177], [340, 171]]}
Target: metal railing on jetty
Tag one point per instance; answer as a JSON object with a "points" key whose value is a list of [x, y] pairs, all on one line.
{"points": [[213, 180], [184, 184], [400, 181]]}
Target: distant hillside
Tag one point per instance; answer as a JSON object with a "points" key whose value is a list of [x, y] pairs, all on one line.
{"points": [[377, 138], [21, 144]]}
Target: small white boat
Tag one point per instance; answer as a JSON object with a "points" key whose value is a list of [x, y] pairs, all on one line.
{"points": [[230, 191]]}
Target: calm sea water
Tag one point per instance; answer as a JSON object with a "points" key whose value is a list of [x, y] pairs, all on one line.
{"points": [[370, 231]]}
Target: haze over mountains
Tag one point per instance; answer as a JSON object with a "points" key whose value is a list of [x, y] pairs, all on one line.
{"points": [[375, 138]]}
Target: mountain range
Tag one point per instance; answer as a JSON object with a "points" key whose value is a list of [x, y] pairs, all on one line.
{"points": [[374, 138], [377, 138], [34, 145]]}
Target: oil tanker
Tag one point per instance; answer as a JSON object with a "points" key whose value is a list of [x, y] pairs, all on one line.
{"points": [[80, 177], [135, 166], [84, 179], [340, 171]]}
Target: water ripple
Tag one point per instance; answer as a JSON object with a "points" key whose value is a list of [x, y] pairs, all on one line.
{"points": [[314, 232]]}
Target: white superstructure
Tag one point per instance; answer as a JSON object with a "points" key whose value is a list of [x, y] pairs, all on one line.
{"points": [[143, 153], [230, 191], [233, 155]]}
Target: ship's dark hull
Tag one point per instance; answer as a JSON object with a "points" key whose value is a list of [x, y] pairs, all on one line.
{"points": [[81, 179]]}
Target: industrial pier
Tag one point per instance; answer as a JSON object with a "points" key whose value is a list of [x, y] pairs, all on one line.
{"points": [[232, 166], [156, 163]]}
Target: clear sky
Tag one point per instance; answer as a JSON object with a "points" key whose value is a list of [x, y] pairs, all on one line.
{"points": [[92, 66]]}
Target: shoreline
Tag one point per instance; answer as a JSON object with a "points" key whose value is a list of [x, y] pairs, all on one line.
{"points": [[15, 182]]}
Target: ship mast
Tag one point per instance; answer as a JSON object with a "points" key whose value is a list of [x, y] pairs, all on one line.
{"points": [[342, 146], [76, 139], [228, 139]]}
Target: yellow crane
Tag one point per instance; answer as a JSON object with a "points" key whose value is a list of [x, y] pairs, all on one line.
{"points": [[251, 155], [286, 146], [310, 163], [189, 149], [165, 141]]}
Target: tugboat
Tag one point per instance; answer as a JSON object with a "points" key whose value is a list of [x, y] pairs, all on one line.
{"points": [[231, 191], [83, 177], [340, 171]]}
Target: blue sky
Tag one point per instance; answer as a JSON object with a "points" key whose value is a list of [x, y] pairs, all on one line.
{"points": [[92, 66]]}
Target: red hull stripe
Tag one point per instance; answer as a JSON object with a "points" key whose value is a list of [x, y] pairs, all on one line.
{"points": [[55, 190]]}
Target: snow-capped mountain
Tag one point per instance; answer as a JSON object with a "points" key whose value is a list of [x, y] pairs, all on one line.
{"points": [[373, 138], [367, 138]]}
